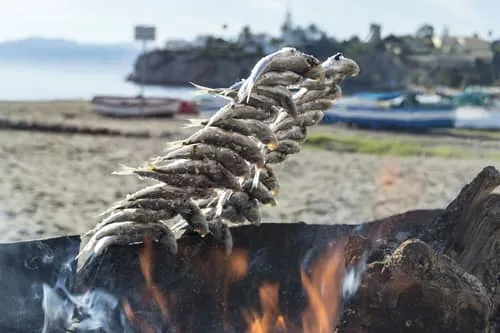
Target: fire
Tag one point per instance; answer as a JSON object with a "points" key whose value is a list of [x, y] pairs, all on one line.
{"points": [[322, 286], [151, 290], [271, 318], [324, 289]]}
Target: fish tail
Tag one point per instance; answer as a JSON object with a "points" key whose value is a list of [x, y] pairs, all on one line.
{"points": [[256, 177], [202, 90], [196, 123], [221, 201], [149, 167], [174, 144], [273, 203], [155, 160], [114, 206], [124, 170], [249, 90]]}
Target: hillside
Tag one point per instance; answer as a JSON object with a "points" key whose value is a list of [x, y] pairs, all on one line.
{"points": [[55, 50]]}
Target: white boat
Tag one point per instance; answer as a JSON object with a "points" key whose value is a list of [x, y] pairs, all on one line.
{"points": [[477, 117], [116, 106]]}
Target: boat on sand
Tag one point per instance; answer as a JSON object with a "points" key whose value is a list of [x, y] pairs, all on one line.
{"points": [[394, 110], [139, 106]]}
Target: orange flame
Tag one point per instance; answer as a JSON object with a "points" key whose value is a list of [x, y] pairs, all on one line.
{"points": [[151, 292], [237, 265], [322, 286], [136, 321], [323, 290], [271, 318]]}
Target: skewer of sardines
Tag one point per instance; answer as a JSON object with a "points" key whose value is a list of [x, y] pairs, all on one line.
{"points": [[223, 172]]}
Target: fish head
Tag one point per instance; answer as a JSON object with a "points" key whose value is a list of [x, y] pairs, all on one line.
{"points": [[313, 65], [338, 64], [287, 51]]}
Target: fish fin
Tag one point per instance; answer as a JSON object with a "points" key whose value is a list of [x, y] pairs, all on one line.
{"points": [[124, 170], [272, 203], [249, 90], [174, 144], [227, 98], [201, 89], [195, 122], [155, 160]]}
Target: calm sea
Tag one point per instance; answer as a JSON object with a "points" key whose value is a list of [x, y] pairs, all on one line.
{"points": [[29, 81]]}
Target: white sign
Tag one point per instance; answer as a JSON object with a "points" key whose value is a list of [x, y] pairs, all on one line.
{"points": [[143, 32]]}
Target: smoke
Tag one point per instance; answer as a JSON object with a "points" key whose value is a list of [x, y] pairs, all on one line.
{"points": [[353, 277], [57, 311], [90, 311]]}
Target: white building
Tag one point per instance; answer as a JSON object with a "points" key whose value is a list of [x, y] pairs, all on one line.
{"points": [[178, 45]]}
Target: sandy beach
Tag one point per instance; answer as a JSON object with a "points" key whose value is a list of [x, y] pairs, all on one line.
{"points": [[57, 184]]}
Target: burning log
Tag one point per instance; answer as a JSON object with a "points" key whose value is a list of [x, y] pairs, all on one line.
{"points": [[405, 273], [429, 270]]}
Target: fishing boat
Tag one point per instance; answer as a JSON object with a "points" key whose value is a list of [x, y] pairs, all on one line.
{"points": [[116, 106], [477, 109], [404, 110]]}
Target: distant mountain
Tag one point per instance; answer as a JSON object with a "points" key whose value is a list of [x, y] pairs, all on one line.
{"points": [[54, 50]]}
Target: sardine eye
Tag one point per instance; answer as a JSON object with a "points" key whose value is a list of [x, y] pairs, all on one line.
{"points": [[312, 61], [338, 56]]}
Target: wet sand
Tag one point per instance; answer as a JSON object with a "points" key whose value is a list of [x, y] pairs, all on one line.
{"points": [[57, 184]]}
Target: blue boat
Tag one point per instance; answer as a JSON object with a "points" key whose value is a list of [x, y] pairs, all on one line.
{"points": [[377, 96], [405, 110]]}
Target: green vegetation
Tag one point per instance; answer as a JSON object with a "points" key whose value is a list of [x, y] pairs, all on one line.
{"points": [[385, 60], [394, 147], [473, 133]]}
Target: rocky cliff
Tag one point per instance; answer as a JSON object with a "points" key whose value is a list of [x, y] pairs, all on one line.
{"points": [[162, 67], [380, 69]]}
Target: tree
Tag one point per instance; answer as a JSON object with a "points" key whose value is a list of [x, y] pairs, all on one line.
{"points": [[313, 32], [425, 31], [246, 35]]}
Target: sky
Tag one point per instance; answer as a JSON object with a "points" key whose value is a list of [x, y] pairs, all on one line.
{"points": [[112, 21]]}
